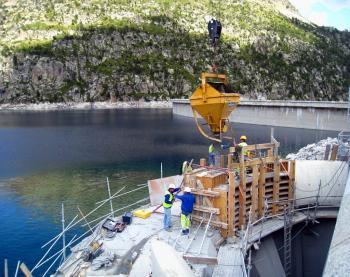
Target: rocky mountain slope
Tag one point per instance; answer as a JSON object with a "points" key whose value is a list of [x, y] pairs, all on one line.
{"points": [[95, 50]]}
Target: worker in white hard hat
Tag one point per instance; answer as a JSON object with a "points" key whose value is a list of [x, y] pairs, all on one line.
{"points": [[167, 204], [188, 201]]}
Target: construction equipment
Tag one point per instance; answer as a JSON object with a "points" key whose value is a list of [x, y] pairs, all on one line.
{"points": [[213, 100]]}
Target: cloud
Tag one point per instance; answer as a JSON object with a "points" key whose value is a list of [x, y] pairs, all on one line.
{"points": [[332, 5], [335, 5], [319, 18], [325, 12]]}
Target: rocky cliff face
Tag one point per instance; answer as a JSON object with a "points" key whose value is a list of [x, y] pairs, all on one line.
{"points": [[97, 50]]}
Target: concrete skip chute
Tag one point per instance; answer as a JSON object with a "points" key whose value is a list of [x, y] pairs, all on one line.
{"points": [[214, 101]]}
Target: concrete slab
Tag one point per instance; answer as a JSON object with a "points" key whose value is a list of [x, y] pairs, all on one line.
{"points": [[230, 262]]}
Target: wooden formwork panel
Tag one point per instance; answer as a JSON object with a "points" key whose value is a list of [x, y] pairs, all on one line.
{"points": [[190, 179], [242, 195], [291, 175], [255, 192], [261, 189], [211, 179], [276, 186], [267, 179]]}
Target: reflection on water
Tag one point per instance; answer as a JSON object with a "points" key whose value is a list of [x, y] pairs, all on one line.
{"points": [[78, 186], [50, 157]]}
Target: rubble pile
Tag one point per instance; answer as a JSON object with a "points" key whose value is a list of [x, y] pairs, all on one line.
{"points": [[314, 151]]}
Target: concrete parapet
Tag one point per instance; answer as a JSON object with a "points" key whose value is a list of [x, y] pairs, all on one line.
{"points": [[298, 114]]}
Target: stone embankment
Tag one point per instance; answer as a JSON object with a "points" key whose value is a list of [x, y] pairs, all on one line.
{"points": [[87, 106], [316, 151]]}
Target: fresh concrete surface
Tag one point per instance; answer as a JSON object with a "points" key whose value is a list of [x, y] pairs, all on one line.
{"points": [[297, 114]]}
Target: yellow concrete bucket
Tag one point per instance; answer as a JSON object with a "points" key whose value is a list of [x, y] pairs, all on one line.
{"points": [[214, 103]]}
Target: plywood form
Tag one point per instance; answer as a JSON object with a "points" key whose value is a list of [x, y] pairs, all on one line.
{"points": [[222, 203], [211, 179], [242, 194], [261, 191], [267, 178], [191, 178], [231, 203], [276, 180], [254, 192]]}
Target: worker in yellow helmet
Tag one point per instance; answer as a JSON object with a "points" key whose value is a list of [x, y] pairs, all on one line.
{"points": [[243, 142]]}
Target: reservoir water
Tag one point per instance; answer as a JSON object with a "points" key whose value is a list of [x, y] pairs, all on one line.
{"points": [[47, 158]]}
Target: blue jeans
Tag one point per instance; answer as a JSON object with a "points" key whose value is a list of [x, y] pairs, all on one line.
{"points": [[167, 218], [211, 158]]}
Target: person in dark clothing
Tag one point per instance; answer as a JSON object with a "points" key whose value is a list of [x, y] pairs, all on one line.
{"points": [[167, 204], [188, 201]]}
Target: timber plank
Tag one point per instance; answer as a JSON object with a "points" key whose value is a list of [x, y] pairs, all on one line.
{"points": [[261, 191], [291, 174], [212, 222], [206, 209], [201, 259], [276, 180], [207, 193], [242, 194], [231, 203], [260, 146], [254, 192]]}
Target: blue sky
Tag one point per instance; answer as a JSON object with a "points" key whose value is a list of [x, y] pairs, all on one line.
{"points": [[335, 13]]}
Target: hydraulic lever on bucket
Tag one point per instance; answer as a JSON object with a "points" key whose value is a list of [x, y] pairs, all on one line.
{"points": [[213, 100]]}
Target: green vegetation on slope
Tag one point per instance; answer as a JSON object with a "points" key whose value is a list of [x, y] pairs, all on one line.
{"points": [[74, 51]]}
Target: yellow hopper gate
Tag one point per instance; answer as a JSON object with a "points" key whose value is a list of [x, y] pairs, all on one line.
{"points": [[213, 101]]}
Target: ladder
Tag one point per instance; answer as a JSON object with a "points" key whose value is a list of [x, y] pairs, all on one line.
{"points": [[287, 241]]}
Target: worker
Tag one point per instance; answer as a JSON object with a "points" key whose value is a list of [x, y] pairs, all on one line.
{"points": [[243, 142], [188, 200], [211, 151], [186, 167], [167, 204]]}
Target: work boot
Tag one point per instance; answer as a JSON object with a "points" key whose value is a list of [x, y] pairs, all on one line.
{"points": [[183, 232]]}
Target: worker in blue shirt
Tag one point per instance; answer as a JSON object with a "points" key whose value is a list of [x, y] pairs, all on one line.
{"points": [[188, 200], [167, 204]]}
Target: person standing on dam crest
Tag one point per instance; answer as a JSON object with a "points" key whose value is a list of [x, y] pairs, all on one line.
{"points": [[188, 200], [167, 204]]}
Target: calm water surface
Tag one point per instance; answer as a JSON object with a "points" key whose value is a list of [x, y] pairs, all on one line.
{"points": [[47, 158]]}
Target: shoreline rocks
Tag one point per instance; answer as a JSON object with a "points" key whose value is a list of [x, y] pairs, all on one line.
{"points": [[314, 151], [87, 106]]}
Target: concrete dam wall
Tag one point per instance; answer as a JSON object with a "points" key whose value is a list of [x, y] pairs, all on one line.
{"points": [[297, 114]]}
